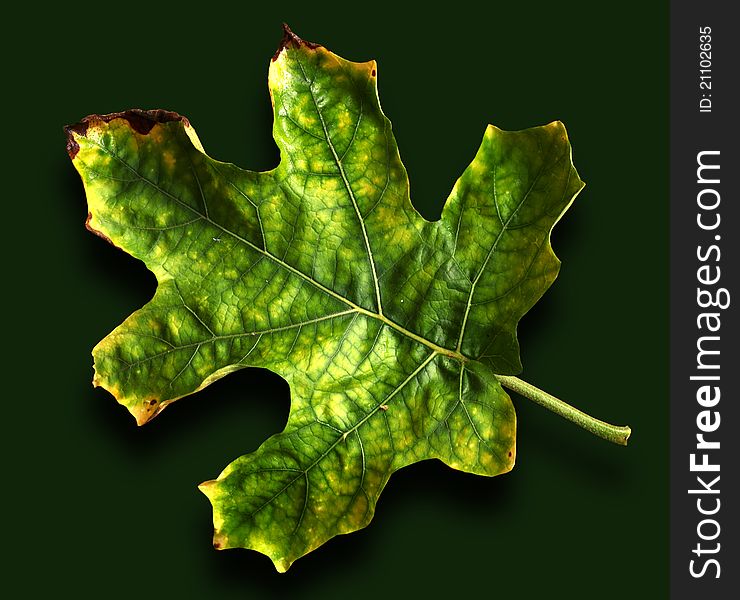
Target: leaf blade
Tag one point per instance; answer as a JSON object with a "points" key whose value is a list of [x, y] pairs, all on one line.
{"points": [[389, 329]]}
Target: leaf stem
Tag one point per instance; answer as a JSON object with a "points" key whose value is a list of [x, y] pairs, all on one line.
{"points": [[611, 433]]}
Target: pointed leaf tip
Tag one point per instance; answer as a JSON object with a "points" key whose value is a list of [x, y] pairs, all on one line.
{"points": [[291, 39]]}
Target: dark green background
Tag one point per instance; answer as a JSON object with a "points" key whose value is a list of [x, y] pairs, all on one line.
{"points": [[106, 509]]}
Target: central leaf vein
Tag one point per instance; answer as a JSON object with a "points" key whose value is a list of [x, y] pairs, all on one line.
{"points": [[504, 229], [348, 187], [455, 354]]}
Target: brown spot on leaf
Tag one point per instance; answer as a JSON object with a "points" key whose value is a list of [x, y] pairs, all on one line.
{"points": [[372, 72], [80, 129], [96, 232], [141, 121], [291, 39], [217, 545], [509, 453], [152, 402]]}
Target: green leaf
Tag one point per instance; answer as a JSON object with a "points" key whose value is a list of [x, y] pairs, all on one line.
{"points": [[390, 330]]}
